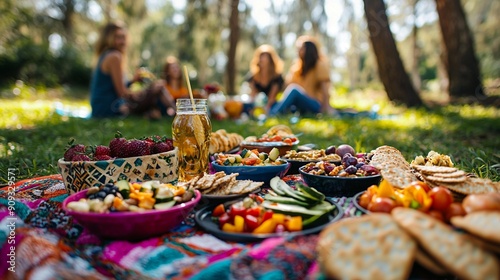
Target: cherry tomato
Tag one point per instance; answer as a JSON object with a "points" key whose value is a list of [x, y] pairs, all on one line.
{"points": [[276, 138], [382, 204], [441, 198], [225, 218], [421, 184], [237, 209], [251, 223], [364, 200], [250, 161], [218, 210], [254, 211], [455, 209], [438, 215], [267, 215]]}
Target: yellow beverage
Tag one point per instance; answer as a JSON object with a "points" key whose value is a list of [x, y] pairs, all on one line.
{"points": [[191, 130]]}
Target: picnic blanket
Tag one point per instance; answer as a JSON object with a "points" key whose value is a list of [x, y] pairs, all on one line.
{"points": [[40, 241]]}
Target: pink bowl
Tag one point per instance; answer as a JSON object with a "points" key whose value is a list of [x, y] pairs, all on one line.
{"points": [[131, 225]]}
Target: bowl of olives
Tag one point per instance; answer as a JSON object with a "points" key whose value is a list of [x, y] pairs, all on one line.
{"points": [[352, 176]]}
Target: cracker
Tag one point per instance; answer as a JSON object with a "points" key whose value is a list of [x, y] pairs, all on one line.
{"points": [[429, 169], [240, 186], [456, 253], [485, 224], [425, 260], [220, 183], [452, 180], [474, 186], [368, 247], [252, 187], [456, 174], [485, 244], [398, 177]]}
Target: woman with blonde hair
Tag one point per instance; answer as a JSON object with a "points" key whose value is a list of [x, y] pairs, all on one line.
{"points": [[308, 82], [266, 68], [109, 93]]}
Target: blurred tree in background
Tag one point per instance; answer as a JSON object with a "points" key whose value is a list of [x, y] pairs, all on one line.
{"points": [[50, 42]]}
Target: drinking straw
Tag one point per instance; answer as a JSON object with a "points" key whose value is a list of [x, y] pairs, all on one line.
{"points": [[189, 87]]}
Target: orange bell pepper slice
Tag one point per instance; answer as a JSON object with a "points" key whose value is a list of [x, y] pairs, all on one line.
{"points": [[268, 226], [294, 223], [385, 189]]}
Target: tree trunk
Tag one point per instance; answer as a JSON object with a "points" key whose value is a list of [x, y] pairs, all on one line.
{"points": [[234, 26], [415, 75], [391, 71], [461, 62]]}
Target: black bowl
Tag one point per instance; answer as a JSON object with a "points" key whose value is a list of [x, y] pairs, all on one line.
{"points": [[296, 164], [339, 186]]}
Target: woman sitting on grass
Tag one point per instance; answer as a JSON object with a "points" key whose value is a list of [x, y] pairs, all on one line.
{"points": [[109, 94], [308, 82], [266, 70]]}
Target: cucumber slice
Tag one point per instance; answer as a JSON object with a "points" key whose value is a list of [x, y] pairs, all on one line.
{"points": [[289, 209], [274, 185], [149, 186], [312, 192], [315, 220], [164, 195], [274, 154], [263, 156], [291, 192], [245, 153], [285, 200], [238, 158], [164, 205], [123, 188]]}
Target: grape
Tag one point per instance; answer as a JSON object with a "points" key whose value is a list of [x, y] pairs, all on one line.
{"points": [[369, 170], [330, 150], [351, 170], [351, 161], [101, 194], [328, 168], [360, 163]]}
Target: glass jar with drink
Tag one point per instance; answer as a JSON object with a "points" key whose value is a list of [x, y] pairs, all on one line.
{"points": [[191, 130]]}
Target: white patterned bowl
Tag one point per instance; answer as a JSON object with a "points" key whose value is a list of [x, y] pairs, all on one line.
{"points": [[81, 175]]}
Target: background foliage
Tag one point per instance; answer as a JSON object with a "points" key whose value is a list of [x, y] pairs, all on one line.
{"points": [[51, 42]]}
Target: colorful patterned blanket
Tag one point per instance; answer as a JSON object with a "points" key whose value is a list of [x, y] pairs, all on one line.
{"points": [[39, 241]]}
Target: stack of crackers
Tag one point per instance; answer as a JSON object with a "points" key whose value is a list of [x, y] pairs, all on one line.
{"points": [[399, 173], [386, 246], [393, 166], [456, 180], [221, 141], [221, 184]]}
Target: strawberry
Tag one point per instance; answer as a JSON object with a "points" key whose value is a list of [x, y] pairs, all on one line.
{"points": [[136, 147], [73, 149], [117, 146], [102, 157], [80, 157], [102, 150], [162, 147]]}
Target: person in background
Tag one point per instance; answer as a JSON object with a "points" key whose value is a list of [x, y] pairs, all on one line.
{"points": [[174, 82], [308, 82], [109, 92], [266, 69]]}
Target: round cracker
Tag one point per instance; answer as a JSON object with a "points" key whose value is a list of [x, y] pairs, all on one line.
{"points": [[368, 247], [485, 224], [455, 252]]}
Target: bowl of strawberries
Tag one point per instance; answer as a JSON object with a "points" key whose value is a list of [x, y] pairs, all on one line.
{"points": [[149, 158]]}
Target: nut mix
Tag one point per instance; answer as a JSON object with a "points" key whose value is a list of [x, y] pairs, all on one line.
{"points": [[311, 155], [351, 167]]}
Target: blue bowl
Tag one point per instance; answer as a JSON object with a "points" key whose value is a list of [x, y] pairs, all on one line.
{"points": [[333, 186], [262, 173]]}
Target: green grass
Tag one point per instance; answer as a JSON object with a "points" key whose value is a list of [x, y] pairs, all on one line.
{"points": [[33, 137]]}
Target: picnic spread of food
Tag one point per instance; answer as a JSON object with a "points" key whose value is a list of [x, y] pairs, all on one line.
{"points": [[370, 215]]}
